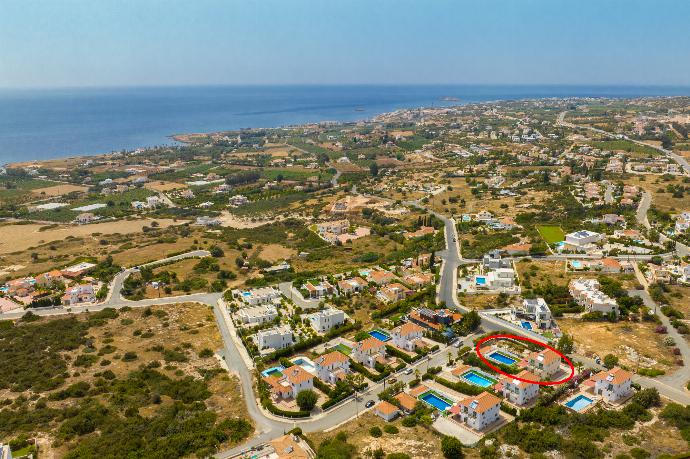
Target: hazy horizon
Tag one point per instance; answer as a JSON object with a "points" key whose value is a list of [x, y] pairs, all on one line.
{"points": [[128, 43]]}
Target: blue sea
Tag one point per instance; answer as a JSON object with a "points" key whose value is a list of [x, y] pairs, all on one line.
{"points": [[53, 123]]}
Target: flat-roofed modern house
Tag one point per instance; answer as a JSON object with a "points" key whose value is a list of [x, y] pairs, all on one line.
{"points": [[257, 296], [257, 314], [534, 309], [582, 238], [586, 293], [274, 338], [326, 319]]}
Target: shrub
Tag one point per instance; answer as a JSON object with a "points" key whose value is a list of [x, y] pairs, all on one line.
{"points": [[129, 356], [390, 429], [375, 432], [451, 448]]}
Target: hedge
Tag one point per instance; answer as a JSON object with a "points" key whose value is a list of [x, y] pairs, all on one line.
{"points": [[402, 355], [358, 367], [335, 400], [462, 387]]}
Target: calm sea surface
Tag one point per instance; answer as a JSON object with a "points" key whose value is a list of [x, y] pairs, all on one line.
{"points": [[41, 124]]}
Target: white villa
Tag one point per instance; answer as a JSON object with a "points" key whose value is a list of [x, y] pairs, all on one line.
{"points": [[521, 392], [257, 314], [369, 351], [534, 309], [295, 379], [350, 286], [257, 296], [79, 294], [332, 367], [613, 385], [407, 336], [274, 338], [324, 320], [478, 412], [544, 363], [582, 239], [586, 293]]}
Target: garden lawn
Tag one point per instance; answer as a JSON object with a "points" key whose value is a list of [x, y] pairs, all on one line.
{"points": [[551, 234]]}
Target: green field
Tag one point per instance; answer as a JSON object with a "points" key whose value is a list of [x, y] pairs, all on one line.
{"points": [[551, 234]]}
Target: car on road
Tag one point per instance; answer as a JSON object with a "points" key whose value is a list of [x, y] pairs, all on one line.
{"points": [[369, 404], [392, 380], [408, 371]]}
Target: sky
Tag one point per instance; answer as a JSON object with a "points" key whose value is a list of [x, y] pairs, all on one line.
{"points": [[76, 43]]}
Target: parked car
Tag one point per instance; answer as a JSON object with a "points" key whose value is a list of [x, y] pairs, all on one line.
{"points": [[369, 404]]}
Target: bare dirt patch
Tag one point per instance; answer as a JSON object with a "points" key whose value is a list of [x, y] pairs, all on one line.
{"points": [[634, 343], [15, 238], [59, 190]]}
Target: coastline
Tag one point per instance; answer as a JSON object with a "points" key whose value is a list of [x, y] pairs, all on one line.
{"points": [[50, 125]]}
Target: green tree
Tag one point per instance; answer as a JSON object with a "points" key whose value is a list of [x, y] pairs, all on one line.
{"points": [[610, 361], [451, 448], [374, 169], [565, 344], [306, 400]]}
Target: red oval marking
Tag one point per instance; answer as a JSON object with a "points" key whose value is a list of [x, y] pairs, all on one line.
{"points": [[529, 340]]}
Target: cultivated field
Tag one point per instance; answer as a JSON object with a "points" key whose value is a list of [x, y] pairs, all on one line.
{"points": [[551, 234]]}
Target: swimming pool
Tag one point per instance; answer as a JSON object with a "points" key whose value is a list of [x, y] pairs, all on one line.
{"points": [[579, 403], [500, 357], [305, 363], [380, 335], [273, 371], [480, 280], [577, 264], [436, 400], [526, 325], [478, 379]]}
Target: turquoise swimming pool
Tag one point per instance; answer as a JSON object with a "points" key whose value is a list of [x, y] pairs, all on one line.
{"points": [[380, 335], [579, 403], [436, 400], [273, 371], [503, 358], [478, 379]]}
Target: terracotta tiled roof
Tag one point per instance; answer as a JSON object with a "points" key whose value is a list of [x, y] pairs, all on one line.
{"points": [[297, 375], [386, 408], [481, 403], [331, 358], [546, 356], [407, 402], [418, 390], [524, 374], [614, 376], [410, 328], [370, 343]]}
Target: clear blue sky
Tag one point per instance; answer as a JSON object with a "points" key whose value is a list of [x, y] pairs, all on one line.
{"points": [[149, 42]]}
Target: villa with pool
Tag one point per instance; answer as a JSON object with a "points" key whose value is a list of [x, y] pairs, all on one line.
{"points": [[478, 412], [521, 393]]}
